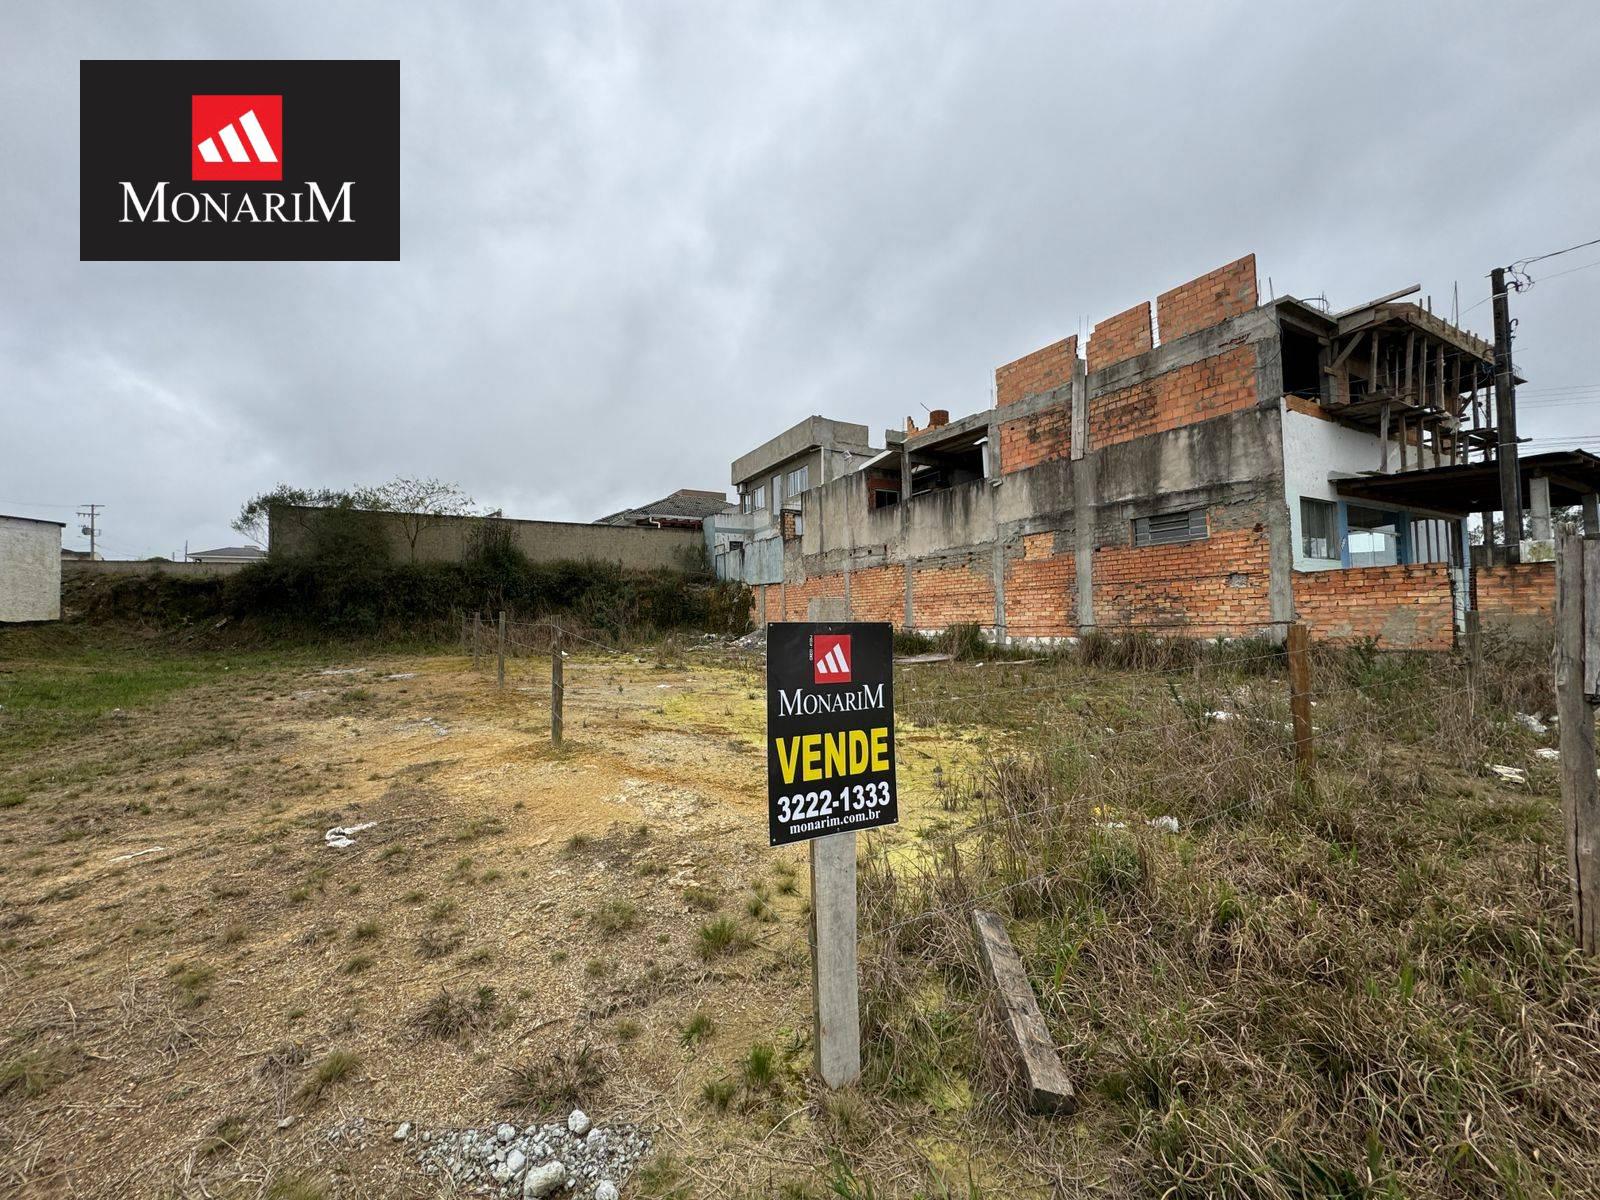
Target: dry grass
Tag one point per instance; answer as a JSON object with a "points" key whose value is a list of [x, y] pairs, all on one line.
{"points": [[1364, 990]]}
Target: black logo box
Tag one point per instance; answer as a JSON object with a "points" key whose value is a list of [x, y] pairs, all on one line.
{"points": [[789, 666], [341, 123]]}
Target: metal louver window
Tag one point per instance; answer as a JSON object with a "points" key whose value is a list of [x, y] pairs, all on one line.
{"points": [[1166, 528]]}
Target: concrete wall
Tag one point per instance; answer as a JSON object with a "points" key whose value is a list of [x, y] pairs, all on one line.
{"points": [[30, 570], [446, 540], [118, 567]]}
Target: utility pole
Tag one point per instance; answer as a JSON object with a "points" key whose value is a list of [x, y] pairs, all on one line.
{"points": [[91, 512], [1505, 412]]}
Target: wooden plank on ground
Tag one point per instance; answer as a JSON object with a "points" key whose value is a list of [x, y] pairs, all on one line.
{"points": [[1049, 1089]]}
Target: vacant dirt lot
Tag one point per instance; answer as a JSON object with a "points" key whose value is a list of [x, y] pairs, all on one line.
{"points": [[1363, 989], [183, 954]]}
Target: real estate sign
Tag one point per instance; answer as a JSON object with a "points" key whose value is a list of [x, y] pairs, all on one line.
{"points": [[830, 729]]}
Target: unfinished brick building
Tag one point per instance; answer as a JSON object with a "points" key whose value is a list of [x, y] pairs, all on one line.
{"points": [[1252, 465]]}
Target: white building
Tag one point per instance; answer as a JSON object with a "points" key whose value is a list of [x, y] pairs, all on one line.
{"points": [[30, 569]]}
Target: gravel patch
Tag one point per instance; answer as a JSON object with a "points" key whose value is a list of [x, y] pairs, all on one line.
{"points": [[537, 1160]]}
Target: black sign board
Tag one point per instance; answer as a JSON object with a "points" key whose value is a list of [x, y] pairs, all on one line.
{"points": [[830, 729]]}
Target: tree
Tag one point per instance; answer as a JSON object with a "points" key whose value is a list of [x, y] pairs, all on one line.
{"points": [[416, 504], [255, 514]]}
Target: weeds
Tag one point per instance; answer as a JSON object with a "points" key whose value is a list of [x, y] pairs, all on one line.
{"points": [[696, 1029], [455, 1018], [721, 937], [614, 917], [333, 1069], [557, 1080]]}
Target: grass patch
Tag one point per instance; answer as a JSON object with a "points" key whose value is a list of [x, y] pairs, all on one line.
{"points": [[193, 981], [696, 1029], [455, 1018], [336, 1067], [614, 917], [557, 1080], [721, 937]]}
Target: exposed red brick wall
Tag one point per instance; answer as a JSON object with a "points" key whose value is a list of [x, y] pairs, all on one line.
{"points": [[1209, 388], [1031, 440], [1042, 371], [1201, 303], [1403, 608], [878, 594], [942, 596], [1216, 586], [797, 606], [1520, 594], [1120, 337], [1041, 589]]}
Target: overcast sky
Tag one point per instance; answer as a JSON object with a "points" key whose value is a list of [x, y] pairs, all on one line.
{"points": [[640, 239]]}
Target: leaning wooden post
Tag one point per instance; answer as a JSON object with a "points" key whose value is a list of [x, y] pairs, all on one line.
{"points": [[1305, 754], [558, 688], [1577, 661], [837, 1036], [500, 650], [477, 635]]}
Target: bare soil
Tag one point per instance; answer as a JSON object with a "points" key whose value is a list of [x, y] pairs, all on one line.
{"points": [[181, 951]]}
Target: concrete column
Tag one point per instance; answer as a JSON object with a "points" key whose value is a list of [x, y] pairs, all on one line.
{"points": [[1539, 504], [1083, 523]]}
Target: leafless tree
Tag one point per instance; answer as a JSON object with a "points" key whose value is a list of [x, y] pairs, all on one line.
{"points": [[416, 504]]}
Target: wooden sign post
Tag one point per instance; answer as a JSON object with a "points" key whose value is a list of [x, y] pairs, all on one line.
{"points": [[1577, 693], [830, 773]]}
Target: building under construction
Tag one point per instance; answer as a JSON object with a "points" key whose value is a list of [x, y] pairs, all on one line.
{"points": [[1210, 466]]}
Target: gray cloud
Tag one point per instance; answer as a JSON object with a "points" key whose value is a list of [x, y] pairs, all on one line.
{"points": [[638, 240]]}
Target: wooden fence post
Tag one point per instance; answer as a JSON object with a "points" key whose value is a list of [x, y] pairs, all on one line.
{"points": [[558, 688], [1305, 754], [500, 650], [1474, 658], [836, 1004], [1577, 661], [477, 635]]}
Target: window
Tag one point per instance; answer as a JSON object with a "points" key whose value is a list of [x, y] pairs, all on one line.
{"points": [[777, 492], [799, 480], [1374, 536], [744, 501], [760, 500], [1319, 528], [799, 525], [1165, 528]]}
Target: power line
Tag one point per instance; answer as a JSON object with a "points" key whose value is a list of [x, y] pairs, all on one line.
{"points": [[1523, 262]]}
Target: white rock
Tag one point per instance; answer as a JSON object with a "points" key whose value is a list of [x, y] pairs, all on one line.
{"points": [[506, 1132], [542, 1180], [579, 1122], [1532, 724], [515, 1161], [606, 1190], [1164, 824], [403, 1132], [1509, 774], [1547, 754], [286, 1122]]}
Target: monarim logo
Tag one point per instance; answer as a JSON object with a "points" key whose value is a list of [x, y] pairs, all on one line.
{"points": [[278, 160]]}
